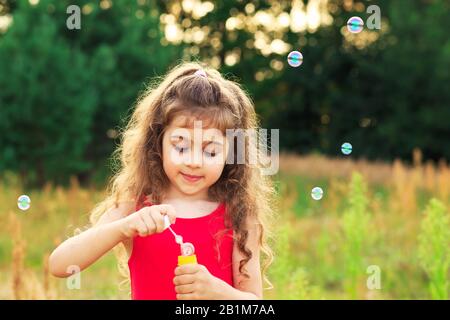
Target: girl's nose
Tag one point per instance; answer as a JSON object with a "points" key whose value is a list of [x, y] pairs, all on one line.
{"points": [[192, 164], [194, 160]]}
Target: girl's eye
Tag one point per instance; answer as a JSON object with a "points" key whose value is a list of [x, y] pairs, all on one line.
{"points": [[180, 149], [210, 154]]}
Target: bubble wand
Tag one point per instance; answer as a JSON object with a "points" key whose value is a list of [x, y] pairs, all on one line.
{"points": [[186, 248]]}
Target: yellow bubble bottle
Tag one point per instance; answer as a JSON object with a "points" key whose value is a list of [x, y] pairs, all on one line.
{"points": [[187, 259]]}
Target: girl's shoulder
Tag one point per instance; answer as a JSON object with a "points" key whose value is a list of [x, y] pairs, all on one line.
{"points": [[123, 209]]}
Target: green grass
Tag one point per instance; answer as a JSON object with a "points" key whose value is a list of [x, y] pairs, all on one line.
{"points": [[434, 248]]}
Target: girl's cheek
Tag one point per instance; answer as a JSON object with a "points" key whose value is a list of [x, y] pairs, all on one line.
{"points": [[176, 158], [213, 170], [218, 160]]}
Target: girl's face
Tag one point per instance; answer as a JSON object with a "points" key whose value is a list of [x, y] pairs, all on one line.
{"points": [[193, 158]]}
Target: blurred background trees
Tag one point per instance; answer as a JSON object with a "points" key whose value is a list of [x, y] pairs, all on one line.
{"points": [[64, 93]]}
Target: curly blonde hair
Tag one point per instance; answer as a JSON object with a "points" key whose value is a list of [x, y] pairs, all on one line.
{"points": [[246, 192]]}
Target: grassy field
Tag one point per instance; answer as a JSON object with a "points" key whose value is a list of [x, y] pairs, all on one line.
{"points": [[381, 231]]}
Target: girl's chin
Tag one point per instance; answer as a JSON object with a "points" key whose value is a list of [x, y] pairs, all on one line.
{"points": [[190, 189]]}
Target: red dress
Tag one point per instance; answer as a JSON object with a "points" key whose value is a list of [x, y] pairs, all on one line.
{"points": [[154, 258]]}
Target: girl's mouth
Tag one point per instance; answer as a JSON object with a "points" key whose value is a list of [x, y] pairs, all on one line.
{"points": [[190, 178]]}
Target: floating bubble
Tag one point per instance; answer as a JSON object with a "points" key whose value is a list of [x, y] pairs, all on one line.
{"points": [[295, 59], [346, 148], [355, 24], [317, 193], [187, 249], [23, 202]]}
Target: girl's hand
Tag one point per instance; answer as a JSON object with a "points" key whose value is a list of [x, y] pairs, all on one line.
{"points": [[194, 282], [147, 221]]}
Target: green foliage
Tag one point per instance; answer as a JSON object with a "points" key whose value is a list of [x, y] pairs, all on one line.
{"points": [[46, 99], [300, 287], [434, 248], [281, 266], [290, 281], [356, 229], [63, 90], [385, 98]]}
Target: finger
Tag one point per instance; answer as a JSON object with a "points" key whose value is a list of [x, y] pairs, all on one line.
{"points": [[169, 210], [183, 279], [186, 296], [184, 288], [148, 221], [158, 219], [141, 228], [190, 268]]}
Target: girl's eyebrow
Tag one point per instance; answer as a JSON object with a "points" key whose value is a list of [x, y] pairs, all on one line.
{"points": [[213, 142], [176, 137]]}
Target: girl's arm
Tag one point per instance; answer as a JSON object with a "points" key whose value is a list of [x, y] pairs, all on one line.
{"points": [[116, 225], [84, 249], [247, 288]]}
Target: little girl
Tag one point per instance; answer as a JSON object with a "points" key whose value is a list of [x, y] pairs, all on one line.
{"points": [[213, 201]]}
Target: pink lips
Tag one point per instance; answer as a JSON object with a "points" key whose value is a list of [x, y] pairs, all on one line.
{"points": [[191, 178]]}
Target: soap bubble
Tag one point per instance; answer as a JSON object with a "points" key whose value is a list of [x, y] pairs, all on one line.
{"points": [[355, 24], [346, 148], [317, 193], [187, 249], [23, 202], [295, 59]]}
